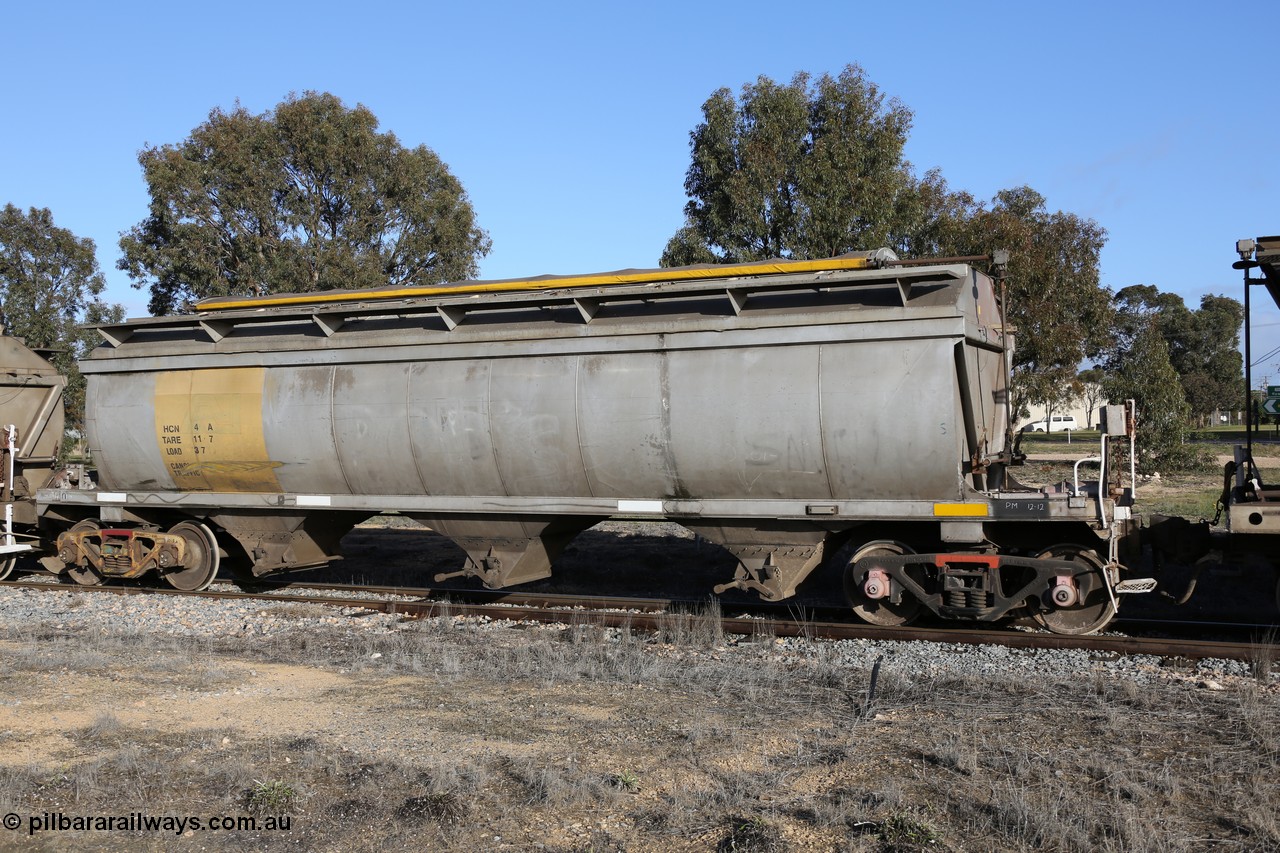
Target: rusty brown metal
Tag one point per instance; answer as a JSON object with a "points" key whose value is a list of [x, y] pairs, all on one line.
{"points": [[120, 553]]}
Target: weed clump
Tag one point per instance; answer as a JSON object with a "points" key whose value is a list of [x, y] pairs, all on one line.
{"points": [[903, 833], [273, 797], [443, 807], [751, 835], [627, 781]]}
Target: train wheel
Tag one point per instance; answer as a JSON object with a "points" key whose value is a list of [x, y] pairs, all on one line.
{"points": [[1094, 609], [201, 559], [7, 566], [878, 611], [86, 575]]}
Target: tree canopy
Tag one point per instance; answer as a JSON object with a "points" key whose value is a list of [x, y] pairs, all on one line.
{"points": [[815, 168], [307, 196], [809, 169], [1145, 375], [50, 284], [1203, 343], [1092, 391]]}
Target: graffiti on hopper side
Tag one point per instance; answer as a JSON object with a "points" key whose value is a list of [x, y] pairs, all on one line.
{"points": [[240, 467]]}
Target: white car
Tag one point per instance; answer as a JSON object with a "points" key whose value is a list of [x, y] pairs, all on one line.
{"points": [[1058, 424]]}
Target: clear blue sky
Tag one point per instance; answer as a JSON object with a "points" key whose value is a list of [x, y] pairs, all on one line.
{"points": [[568, 123]]}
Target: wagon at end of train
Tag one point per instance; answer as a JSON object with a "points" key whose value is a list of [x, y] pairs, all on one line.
{"points": [[1244, 537]]}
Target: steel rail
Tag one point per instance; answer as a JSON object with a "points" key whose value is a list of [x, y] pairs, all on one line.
{"points": [[592, 610]]}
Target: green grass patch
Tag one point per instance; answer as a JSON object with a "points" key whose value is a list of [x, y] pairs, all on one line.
{"points": [[1191, 504]]}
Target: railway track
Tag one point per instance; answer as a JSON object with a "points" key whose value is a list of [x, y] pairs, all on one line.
{"points": [[657, 614]]}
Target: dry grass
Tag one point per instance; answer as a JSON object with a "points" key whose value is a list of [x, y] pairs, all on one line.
{"points": [[583, 738]]}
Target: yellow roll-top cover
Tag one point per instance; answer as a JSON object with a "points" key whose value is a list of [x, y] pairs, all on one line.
{"points": [[850, 261]]}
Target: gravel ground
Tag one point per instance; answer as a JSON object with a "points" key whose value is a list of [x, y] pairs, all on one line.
{"points": [[73, 611], [373, 731], [458, 733]]}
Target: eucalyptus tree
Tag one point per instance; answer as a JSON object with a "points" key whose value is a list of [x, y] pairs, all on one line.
{"points": [[50, 285], [1203, 343], [307, 196], [811, 168], [815, 168]]}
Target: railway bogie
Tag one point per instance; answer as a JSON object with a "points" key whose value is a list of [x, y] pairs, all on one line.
{"points": [[186, 556]]}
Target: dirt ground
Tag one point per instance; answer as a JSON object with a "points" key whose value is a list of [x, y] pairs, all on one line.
{"points": [[448, 735]]}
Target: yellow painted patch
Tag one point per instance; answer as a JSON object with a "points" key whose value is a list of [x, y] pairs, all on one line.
{"points": [[209, 430], [958, 510]]}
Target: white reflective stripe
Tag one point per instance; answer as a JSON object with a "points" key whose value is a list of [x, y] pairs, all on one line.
{"points": [[639, 506], [313, 500], [112, 497]]}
